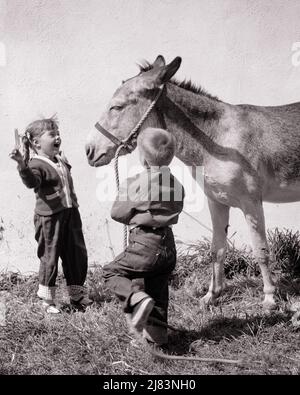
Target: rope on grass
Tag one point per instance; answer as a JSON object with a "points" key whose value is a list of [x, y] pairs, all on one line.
{"points": [[197, 359], [182, 358]]}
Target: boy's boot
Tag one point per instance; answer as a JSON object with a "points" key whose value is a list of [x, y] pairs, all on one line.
{"points": [[156, 335], [47, 296], [78, 297]]}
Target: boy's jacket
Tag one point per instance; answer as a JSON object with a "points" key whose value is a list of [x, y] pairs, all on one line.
{"points": [[152, 198]]}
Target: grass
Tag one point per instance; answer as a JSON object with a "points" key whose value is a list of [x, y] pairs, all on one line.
{"points": [[96, 342]]}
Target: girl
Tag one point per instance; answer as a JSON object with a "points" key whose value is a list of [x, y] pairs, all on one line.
{"points": [[58, 227]]}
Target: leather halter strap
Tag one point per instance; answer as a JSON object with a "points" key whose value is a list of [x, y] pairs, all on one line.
{"points": [[126, 143], [107, 134]]}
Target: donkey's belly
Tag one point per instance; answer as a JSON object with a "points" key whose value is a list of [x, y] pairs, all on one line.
{"points": [[282, 192]]}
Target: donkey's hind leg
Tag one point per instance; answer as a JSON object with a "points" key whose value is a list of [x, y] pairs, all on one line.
{"points": [[254, 215], [219, 216]]}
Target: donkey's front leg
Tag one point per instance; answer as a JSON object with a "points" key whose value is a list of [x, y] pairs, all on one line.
{"points": [[219, 216], [254, 215]]}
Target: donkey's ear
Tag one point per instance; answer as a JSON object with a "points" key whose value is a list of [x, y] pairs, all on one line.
{"points": [[168, 71], [159, 61]]}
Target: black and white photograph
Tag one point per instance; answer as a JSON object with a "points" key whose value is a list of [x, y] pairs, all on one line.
{"points": [[149, 190]]}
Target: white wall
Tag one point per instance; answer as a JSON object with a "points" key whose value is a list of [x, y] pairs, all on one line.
{"points": [[68, 57]]}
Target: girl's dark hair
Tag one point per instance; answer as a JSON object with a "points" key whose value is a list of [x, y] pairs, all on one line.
{"points": [[36, 129]]}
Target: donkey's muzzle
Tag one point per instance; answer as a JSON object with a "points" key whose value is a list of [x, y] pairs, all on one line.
{"points": [[90, 151]]}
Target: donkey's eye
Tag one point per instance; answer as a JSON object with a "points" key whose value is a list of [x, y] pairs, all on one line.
{"points": [[117, 108]]}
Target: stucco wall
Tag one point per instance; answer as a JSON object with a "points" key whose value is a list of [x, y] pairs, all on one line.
{"points": [[68, 57]]}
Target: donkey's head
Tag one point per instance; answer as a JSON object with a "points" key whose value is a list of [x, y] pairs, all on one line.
{"points": [[131, 109]]}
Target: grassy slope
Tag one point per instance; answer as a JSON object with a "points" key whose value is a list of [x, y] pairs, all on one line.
{"points": [[97, 342]]}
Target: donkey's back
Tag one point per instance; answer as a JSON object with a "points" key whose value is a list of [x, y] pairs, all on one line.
{"points": [[272, 145]]}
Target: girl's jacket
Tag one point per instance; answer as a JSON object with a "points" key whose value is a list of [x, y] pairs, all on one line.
{"points": [[52, 184]]}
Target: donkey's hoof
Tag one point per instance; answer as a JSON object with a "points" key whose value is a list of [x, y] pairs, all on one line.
{"points": [[296, 320], [269, 305], [207, 300], [294, 307]]}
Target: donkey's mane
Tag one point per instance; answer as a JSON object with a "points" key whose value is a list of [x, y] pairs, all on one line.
{"points": [[188, 85]]}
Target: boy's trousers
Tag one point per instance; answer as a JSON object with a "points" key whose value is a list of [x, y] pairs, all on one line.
{"points": [[150, 255], [60, 235]]}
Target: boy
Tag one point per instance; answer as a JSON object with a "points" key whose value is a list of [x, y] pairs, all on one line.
{"points": [[150, 204]]}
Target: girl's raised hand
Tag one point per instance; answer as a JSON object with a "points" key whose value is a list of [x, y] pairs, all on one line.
{"points": [[17, 156], [15, 153]]}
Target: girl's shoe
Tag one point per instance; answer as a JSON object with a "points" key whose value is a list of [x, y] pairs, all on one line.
{"points": [[47, 297], [50, 307]]}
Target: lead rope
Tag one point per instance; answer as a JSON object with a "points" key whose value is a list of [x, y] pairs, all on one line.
{"points": [[116, 167], [142, 120], [124, 144]]}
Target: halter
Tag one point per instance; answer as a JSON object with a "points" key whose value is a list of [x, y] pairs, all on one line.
{"points": [[126, 143]]}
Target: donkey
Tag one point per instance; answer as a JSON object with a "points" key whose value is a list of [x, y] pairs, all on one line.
{"points": [[249, 153]]}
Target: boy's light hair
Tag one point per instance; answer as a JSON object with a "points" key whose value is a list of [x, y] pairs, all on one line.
{"points": [[157, 146]]}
